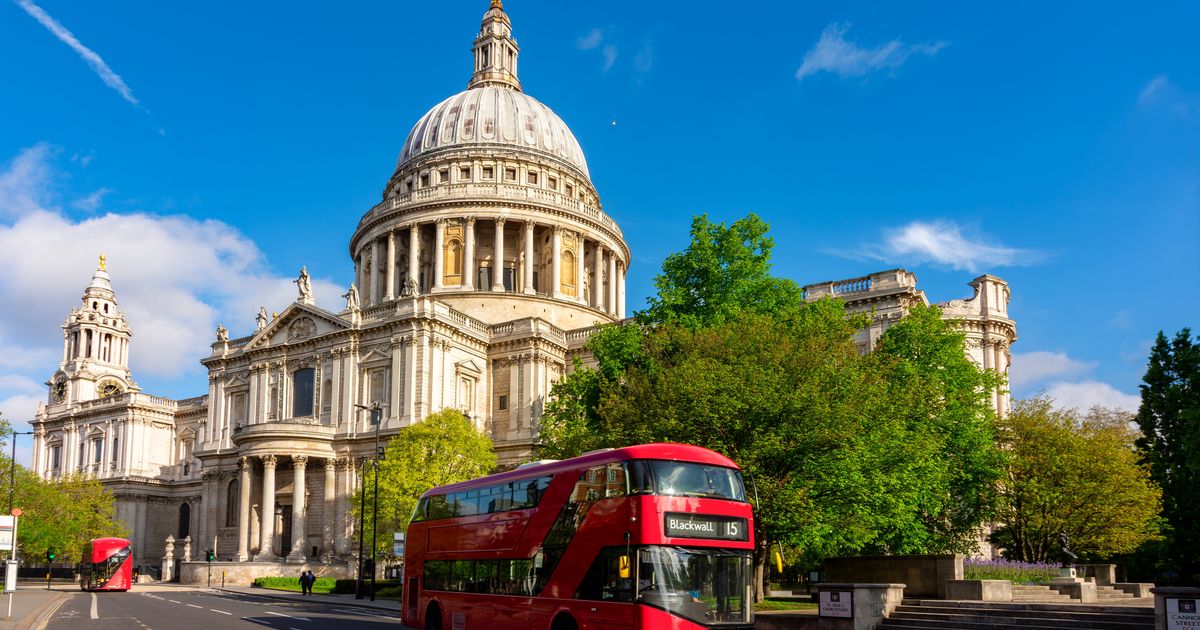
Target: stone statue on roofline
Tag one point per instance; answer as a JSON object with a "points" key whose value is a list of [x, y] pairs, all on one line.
{"points": [[260, 320], [305, 285], [351, 298]]}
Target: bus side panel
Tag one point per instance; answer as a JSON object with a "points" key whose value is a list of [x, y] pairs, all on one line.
{"points": [[500, 533]]}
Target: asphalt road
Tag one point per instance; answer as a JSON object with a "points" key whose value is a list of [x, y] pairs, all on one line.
{"points": [[180, 609]]}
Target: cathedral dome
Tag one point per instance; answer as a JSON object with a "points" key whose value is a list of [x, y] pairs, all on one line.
{"points": [[493, 116]]}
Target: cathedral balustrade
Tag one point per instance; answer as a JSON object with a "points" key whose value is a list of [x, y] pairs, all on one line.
{"points": [[485, 193], [295, 428]]}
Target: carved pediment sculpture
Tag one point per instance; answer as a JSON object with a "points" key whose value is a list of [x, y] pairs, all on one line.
{"points": [[302, 328]]}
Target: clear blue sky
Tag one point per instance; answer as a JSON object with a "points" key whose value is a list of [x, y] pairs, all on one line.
{"points": [[1056, 145]]}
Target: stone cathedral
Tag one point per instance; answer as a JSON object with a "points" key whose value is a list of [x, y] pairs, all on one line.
{"points": [[478, 279]]}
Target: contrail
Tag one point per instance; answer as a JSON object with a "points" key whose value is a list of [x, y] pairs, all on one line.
{"points": [[110, 78]]}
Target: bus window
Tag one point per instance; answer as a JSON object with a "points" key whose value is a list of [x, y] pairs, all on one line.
{"points": [[603, 581], [697, 480]]}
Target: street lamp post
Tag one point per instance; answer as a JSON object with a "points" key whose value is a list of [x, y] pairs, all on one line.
{"points": [[12, 471], [376, 419]]}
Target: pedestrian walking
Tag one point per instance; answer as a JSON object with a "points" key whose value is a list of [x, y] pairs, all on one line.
{"points": [[305, 585]]}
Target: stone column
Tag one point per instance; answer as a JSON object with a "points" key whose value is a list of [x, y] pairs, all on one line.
{"points": [[598, 277], [621, 292], [243, 552], [498, 257], [580, 258], [266, 530], [389, 289], [469, 256], [439, 254], [341, 509], [556, 262], [610, 304], [414, 254], [361, 273], [999, 363], [327, 531], [376, 294], [299, 513], [529, 288]]}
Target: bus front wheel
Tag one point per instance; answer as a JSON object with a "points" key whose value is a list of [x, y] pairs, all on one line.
{"points": [[433, 617], [564, 622]]}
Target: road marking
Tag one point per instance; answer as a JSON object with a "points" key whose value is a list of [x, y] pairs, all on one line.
{"points": [[95, 613], [362, 613], [195, 606], [261, 623], [174, 602], [46, 619], [220, 611], [288, 616]]}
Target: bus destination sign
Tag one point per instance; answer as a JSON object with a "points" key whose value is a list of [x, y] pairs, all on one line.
{"points": [[680, 525]]}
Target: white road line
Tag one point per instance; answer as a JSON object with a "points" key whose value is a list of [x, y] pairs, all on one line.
{"points": [[220, 611], [95, 613], [174, 602], [46, 619], [195, 606], [288, 616]]}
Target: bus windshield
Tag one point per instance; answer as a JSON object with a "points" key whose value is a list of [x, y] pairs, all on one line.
{"points": [[706, 586], [684, 479]]}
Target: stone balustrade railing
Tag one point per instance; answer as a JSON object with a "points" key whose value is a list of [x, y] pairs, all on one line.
{"points": [[491, 192]]}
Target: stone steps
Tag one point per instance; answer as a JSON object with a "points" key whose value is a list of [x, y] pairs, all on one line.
{"points": [[942, 615], [1037, 593]]}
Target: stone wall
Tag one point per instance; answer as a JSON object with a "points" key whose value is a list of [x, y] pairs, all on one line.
{"points": [[243, 573], [925, 576]]}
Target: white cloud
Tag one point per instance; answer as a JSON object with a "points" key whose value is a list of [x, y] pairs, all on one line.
{"points": [[591, 40], [1153, 89], [25, 181], [833, 53], [106, 74], [1036, 368], [1087, 394], [644, 60], [944, 243], [92, 202], [175, 277], [610, 56]]}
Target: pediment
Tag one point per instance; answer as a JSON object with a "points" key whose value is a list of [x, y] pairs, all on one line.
{"points": [[468, 367], [238, 381], [298, 323], [375, 355]]}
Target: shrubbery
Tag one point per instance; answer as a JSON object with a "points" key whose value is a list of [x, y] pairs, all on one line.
{"points": [[1011, 570]]}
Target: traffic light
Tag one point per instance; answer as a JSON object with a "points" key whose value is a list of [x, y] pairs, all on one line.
{"points": [[210, 556], [50, 555]]}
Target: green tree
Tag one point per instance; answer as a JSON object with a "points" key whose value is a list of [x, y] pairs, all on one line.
{"points": [[1169, 418], [725, 269], [944, 399], [443, 448], [1072, 474], [63, 514]]}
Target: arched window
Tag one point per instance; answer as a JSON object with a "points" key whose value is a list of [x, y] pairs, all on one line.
{"points": [[185, 521], [232, 503], [568, 272], [302, 388], [454, 262]]}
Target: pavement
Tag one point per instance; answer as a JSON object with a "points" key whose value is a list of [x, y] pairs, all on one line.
{"points": [[341, 600], [33, 604]]}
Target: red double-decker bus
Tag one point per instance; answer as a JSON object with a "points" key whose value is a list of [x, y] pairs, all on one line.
{"points": [[107, 565], [652, 536]]}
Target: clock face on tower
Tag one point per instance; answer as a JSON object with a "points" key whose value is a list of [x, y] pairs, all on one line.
{"points": [[109, 388], [59, 390]]}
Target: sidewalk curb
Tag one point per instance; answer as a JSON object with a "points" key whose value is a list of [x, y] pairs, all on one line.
{"points": [[35, 616], [273, 594]]}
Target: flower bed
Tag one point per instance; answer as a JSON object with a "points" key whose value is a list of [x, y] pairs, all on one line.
{"points": [[1011, 570]]}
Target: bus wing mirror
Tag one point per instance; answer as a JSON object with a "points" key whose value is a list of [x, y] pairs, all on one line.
{"points": [[623, 567]]}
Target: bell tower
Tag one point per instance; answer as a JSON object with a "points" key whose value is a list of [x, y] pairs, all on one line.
{"points": [[95, 359], [495, 51]]}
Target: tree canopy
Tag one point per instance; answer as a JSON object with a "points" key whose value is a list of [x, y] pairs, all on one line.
{"points": [[887, 452], [725, 269], [61, 514], [1169, 417], [1074, 474], [443, 448]]}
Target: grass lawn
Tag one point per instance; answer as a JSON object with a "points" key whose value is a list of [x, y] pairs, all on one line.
{"points": [[772, 603]]}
